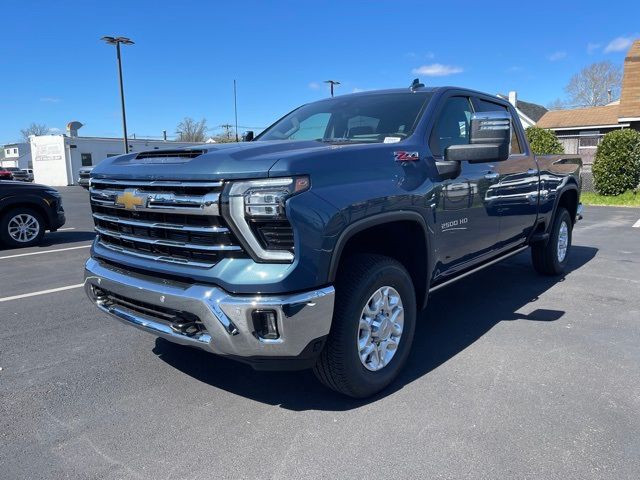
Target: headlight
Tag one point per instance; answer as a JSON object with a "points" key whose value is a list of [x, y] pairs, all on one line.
{"points": [[256, 212]]}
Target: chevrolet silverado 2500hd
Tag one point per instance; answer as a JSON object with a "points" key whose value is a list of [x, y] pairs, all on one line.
{"points": [[315, 244]]}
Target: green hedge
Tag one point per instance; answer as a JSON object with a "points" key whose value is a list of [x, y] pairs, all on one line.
{"points": [[543, 142], [616, 167]]}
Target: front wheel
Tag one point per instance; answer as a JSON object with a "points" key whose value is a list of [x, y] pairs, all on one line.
{"points": [[551, 258], [373, 326], [21, 227]]}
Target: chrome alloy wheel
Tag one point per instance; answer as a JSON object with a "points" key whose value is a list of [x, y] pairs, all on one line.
{"points": [[563, 241], [23, 228], [380, 328]]}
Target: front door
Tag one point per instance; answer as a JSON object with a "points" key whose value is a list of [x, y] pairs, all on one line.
{"points": [[514, 197], [466, 229]]}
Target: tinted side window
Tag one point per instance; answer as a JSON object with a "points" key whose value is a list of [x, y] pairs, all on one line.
{"points": [[452, 126], [484, 106]]}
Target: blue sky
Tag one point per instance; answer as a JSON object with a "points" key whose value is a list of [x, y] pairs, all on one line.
{"points": [[187, 53]]}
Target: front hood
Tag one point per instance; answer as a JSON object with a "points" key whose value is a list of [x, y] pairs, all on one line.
{"points": [[217, 162]]}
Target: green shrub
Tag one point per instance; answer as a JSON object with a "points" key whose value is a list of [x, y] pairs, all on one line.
{"points": [[616, 167], [543, 142]]}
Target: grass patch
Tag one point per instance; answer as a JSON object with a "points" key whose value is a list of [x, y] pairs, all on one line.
{"points": [[627, 199]]}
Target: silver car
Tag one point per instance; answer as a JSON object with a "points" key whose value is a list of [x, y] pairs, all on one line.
{"points": [[83, 177]]}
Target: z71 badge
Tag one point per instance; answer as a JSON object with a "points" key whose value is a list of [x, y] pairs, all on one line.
{"points": [[406, 156]]}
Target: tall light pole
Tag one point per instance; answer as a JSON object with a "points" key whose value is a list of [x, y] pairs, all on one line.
{"points": [[117, 41], [332, 83]]}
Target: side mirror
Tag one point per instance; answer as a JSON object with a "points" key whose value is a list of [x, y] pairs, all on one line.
{"points": [[247, 136], [490, 139]]}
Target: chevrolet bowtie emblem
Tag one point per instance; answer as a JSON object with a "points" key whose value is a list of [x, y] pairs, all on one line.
{"points": [[130, 200]]}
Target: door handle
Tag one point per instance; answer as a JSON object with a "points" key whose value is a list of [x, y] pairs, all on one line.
{"points": [[491, 175]]}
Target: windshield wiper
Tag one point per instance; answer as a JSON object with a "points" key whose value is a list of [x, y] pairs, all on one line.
{"points": [[339, 140]]}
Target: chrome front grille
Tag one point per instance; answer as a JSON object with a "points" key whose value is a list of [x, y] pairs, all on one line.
{"points": [[176, 222]]}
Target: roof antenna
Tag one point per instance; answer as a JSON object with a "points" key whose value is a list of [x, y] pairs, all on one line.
{"points": [[416, 84]]}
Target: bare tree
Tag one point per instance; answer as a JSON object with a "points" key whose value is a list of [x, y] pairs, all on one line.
{"points": [[557, 104], [34, 129], [190, 130], [590, 86]]}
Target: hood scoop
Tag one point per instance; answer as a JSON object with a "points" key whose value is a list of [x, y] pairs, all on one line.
{"points": [[166, 156]]}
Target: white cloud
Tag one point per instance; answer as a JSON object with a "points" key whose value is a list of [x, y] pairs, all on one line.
{"points": [[593, 47], [49, 99], [618, 44], [358, 90], [555, 56], [436, 70], [314, 85]]}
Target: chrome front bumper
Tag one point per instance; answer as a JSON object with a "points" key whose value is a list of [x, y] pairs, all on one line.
{"points": [[227, 320]]}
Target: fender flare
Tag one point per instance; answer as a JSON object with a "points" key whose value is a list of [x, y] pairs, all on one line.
{"points": [[27, 200], [569, 185], [376, 220]]}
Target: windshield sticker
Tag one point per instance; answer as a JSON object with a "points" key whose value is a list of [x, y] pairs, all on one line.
{"points": [[392, 139]]}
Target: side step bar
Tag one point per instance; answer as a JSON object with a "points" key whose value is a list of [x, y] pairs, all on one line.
{"points": [[477, 269]]}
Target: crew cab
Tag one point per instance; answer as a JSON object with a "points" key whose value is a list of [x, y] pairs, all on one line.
{"points": [[26, 211], [315, 244]]}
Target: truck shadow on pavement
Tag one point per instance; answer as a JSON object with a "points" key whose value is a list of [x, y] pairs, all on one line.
{"points": [[444, 329]]}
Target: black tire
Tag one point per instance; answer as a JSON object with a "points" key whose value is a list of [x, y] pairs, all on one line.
{"points": [[8, 240], [545, 257], [339, 366]]}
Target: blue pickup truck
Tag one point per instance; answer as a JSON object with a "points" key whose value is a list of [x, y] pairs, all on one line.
{"points": [[316, 244]]}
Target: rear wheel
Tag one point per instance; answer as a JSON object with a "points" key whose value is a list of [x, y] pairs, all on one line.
{"points": [[373, 327], [551, 258], [21, 227]]}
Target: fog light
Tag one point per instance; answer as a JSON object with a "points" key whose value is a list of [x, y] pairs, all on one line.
{"points": [[265, 323]]}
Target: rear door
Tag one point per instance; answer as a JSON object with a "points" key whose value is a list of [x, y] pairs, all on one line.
{"points": [[466, 230], [514, 196]]}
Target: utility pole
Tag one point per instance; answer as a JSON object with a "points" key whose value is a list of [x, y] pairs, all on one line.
{"points": [[227, 129], [235, 106], [332, 83], [117, 41]]}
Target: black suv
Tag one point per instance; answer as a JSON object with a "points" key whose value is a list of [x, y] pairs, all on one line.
{"points": [[26, 212]]}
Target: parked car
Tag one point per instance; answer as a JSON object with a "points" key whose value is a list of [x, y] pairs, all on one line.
{"points": [[5, 174], [84, 174], [18, 174], [27, 211], [29, 174], [315, 244]]}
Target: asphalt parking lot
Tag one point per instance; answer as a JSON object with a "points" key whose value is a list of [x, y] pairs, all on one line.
{"points": [[512, 375]]}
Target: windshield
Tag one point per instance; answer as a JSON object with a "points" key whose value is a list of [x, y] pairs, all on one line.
{"points": [[360, 118]]}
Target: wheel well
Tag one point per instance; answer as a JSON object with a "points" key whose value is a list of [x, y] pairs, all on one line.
{"points": [[402, 240], [569, 200], [31, 206]]}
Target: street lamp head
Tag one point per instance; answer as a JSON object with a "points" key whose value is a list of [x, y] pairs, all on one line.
{"points": [[332, 82], [116, 40]]}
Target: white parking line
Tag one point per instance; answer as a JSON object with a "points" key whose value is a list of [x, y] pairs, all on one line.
{"points": [[637, 224], [44, 251], [42, 292], [65, 229]]}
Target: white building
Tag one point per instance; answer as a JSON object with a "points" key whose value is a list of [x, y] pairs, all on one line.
{"points": [[58, 158], [16, 155]]}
